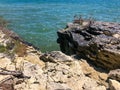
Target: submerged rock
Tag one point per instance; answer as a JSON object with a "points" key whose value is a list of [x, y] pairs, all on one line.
{"points": [[97, 41]]}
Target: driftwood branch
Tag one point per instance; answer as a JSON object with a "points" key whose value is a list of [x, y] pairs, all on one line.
{"points": [[6, 79], [18, 74]]}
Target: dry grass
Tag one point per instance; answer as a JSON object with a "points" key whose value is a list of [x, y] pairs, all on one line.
{"points": [[20, 48], [81, 20]]}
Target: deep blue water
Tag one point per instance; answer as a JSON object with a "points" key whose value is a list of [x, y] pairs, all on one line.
{"points": [[37, 21]]}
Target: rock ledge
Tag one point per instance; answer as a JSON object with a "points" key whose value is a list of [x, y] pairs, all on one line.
{"points": [[96, 41]]}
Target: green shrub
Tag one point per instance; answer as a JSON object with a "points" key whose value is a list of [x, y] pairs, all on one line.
{"points": [[2, 49]]}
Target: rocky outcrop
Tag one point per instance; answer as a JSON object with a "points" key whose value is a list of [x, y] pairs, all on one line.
{"points": [[96, 41], [22, 67], [67, 73], [48, 75], [18, 63]]}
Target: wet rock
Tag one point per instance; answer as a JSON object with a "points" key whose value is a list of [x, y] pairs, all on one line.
{"points": [[98, 42]]}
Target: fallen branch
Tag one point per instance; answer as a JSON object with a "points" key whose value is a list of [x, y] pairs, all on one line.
{"points": [[5, 79], [17, 74]]}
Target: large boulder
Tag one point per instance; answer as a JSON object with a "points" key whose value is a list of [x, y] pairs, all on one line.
{"points": [[96, 41]]}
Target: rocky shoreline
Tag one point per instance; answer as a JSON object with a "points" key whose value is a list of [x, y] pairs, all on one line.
{"points": [[23, 67], [96, 41]]}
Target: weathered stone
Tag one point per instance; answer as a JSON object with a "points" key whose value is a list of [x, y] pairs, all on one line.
{"points": [[57, 86], [8, 86], [37, 80], [92, 86], [4, 62], [114, 85], [49, 71], [56, 56], [98, 42], [93, 72], [115, 74], [70, 75], [33, 58]]}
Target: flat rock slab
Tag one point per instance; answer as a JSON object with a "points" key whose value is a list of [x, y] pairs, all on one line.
{"points": [[96, 41]]}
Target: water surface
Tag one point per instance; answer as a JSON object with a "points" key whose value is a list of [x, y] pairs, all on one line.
{"points": [[37, 21]]}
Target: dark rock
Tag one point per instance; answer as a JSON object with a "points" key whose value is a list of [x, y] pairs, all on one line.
{"points": [[99, 42]]}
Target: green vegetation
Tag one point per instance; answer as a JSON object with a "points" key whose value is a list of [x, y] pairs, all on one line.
{"points": [[15, 48], [2, 49]]}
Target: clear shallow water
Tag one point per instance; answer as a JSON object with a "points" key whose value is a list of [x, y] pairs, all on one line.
{"points": [[37, 21]]}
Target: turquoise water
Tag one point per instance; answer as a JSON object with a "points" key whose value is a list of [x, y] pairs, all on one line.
{"points": [[37, 21]]}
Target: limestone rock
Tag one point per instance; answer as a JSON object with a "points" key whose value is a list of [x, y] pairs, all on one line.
{"points": [[115, 74], [37, 79], [92, 85], [33, 58], [114, 85], [93, 72], [69, 75], [98, 42], [44, 71], [7, 84], [56, 56]]}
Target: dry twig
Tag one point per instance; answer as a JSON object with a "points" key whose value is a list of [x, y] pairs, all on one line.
{"points": [[17, 74]]}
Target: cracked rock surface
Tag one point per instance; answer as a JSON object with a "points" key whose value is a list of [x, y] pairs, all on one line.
{"points": [[97, 41]]}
